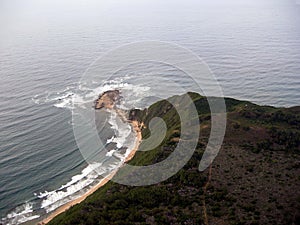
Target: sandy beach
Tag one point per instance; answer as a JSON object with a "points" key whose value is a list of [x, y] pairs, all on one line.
{"points": [[136, 127]]}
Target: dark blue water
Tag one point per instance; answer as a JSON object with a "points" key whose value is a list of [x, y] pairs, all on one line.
{"points": [[253, 48]]}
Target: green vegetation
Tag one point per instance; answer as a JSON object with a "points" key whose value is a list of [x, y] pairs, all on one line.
{"points": [[255, 178]]}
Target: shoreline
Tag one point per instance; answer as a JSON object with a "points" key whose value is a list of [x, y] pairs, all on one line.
{"points": [[136, 128]]}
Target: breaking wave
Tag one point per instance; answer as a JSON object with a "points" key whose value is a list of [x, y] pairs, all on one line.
{"points": [[123, 138], [20, 214]]}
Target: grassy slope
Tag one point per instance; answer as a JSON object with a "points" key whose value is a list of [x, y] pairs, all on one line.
{"points": [[255, 178]]}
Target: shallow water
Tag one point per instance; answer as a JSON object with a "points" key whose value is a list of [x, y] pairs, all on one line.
{"points": [[253, 48]]}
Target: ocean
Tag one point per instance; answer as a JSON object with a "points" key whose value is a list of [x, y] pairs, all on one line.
{"points": [[252, 47]]}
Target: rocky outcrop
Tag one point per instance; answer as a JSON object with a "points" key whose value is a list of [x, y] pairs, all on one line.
{"points": [[108, 99]]}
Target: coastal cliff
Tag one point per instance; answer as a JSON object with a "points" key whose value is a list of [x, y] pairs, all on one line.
{"points": [[253, 180]]}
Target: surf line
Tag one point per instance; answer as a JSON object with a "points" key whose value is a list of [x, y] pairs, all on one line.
{"points": [[107, 100]]}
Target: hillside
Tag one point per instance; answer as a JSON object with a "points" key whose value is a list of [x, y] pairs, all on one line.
{"points": [[254, 179]]}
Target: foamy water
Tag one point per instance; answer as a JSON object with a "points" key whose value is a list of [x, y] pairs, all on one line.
{"points": [[252, 48], [49, 200]]}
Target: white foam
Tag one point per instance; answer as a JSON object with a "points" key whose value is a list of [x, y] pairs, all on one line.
{"points": [[62, 99], [85, 172], [53, 199], [74, 97], [75, 188], [21, 214], [123, 130], [110, 153], [110, 140], [80, 94]]}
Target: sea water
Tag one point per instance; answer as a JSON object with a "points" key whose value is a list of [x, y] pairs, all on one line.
{"points": [[252, 47]]}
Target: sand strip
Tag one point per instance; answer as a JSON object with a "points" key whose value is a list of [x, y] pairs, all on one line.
{"points": [[63, 208]]}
